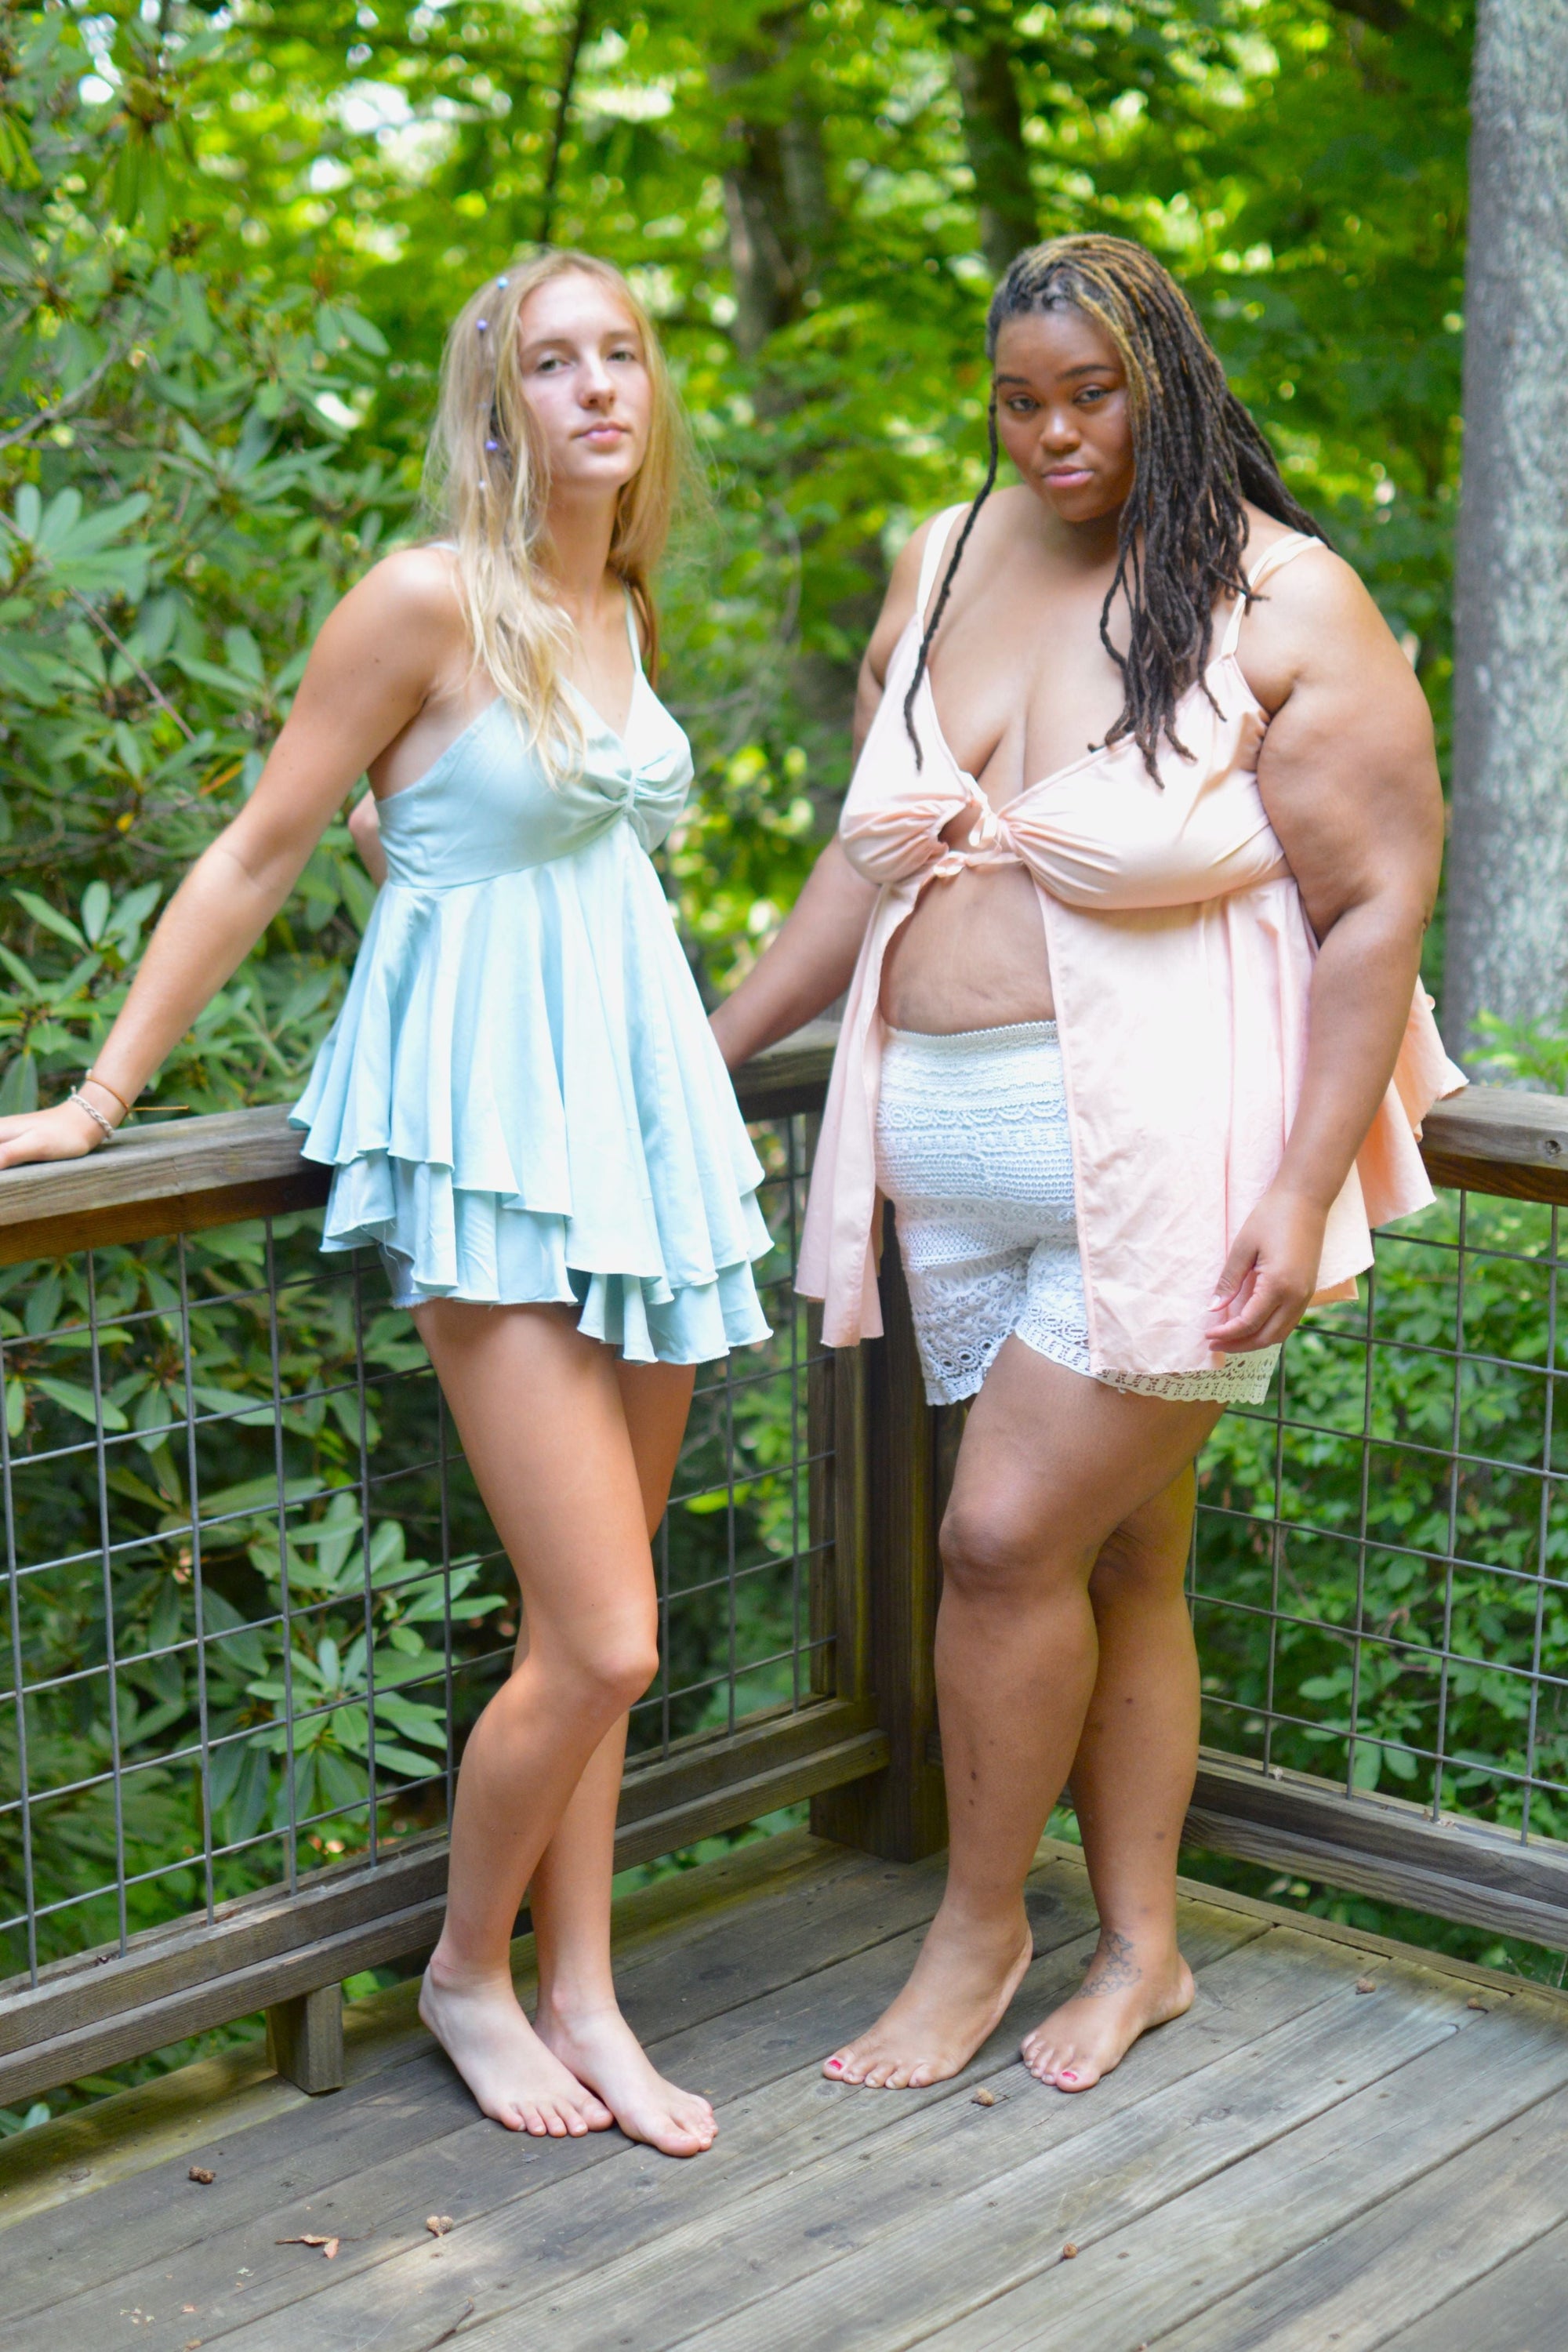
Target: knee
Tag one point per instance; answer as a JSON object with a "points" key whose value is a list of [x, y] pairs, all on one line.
{"points": [[985, 1555], [609, 1671], [623, 1670]]}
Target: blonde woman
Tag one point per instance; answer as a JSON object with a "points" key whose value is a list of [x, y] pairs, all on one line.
{"points": [[521, 1101]]}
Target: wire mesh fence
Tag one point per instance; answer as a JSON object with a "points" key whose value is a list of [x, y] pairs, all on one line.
{"points": [[1378, 1572], [253, 1600]]}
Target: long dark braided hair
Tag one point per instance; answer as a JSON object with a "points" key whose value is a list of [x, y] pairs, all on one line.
{"points": [[1197, 455]]}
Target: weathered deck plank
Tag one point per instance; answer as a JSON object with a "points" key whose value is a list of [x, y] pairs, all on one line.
{"points": [[794, 2225], [82, 2152], [1520, 2306], [1293, 2165], [775, 2128], [237, 2277], [899, 2277], [1419, 2248], [1197, 2247], [773, 1941]]}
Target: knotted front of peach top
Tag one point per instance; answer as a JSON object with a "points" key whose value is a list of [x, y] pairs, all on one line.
{"points": [[1181, 961]]}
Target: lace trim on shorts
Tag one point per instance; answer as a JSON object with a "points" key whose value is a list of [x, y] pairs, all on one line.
{"points": [[974, 1152]]}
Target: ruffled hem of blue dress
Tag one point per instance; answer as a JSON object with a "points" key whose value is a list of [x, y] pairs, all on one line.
{"points": [[501, 1255]]}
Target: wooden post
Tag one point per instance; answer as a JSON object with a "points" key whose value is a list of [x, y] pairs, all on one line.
{"points": [[305, 2040], [887, 1577]]}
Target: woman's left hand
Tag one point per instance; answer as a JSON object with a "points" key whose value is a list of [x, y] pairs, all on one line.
{"points": [[1269, 1276]]}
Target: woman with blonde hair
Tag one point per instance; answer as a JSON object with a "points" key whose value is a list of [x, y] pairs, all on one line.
{"points": [[521, 1101]]}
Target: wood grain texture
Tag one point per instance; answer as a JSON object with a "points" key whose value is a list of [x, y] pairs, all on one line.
{"points": [[903, 1812], [166, 1179], [1289, 2122], [707, 1959], [1194, 2248], [1521, 2305], [897, 2274], [305, 2040], [1403, 2261], [1383, 1847], [667, 2286], [730, 2011], [83, 2152], [86, 2014], [759, 2063]]}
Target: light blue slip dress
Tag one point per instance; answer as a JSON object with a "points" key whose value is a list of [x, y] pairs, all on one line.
{"points": [[521, 1099]]}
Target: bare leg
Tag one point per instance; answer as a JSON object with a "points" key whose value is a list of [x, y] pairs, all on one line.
{"points": [[1143, 1713], [540, 1412], [578, 2016], [1051, 1465]]}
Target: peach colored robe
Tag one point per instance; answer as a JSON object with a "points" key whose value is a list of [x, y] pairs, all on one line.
{"points": [[1181, 960]]}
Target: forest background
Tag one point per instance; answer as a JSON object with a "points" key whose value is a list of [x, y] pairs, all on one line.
{"points": [[230, 242], [233, 238]]}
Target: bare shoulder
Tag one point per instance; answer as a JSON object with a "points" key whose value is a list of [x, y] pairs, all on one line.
{"points": [[399, 630], [414, 587], [1315, 621]]}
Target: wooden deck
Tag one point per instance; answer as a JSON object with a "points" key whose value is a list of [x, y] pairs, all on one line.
{"points": [[1298, 2164]]}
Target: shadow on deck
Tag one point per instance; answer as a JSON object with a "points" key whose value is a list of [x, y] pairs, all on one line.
{"points": [[1302, 2162]]}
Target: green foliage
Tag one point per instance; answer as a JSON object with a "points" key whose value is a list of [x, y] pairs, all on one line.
{"points": [[1392, 1641], [299, 192], [1531, 1054], [178, 508]]}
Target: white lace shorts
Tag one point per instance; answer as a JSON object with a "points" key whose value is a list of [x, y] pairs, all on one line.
{"points": [[972, 1149]]}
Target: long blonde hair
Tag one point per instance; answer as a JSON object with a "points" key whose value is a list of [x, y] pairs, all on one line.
{"points": [[487, 484]]}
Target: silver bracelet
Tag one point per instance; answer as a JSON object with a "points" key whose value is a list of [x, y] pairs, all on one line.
{"points": [[96, 1116]]}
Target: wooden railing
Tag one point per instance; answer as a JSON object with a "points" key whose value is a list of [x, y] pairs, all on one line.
{"points": [[864, 1750]]}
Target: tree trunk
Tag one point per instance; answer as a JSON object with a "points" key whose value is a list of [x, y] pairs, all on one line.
{"points": [[994, 142], [1508, 882], [775, 188]]}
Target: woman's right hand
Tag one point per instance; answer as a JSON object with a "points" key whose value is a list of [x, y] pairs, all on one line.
{"points": [[66, 1132]]}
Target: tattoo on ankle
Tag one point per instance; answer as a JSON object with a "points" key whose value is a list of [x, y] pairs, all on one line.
{"points": [[1114, 1967]]}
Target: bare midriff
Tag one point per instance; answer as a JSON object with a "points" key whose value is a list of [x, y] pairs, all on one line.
{"points": [[971, 956]]}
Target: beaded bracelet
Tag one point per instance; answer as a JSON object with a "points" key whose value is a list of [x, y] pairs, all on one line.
{"points": [[97, 1117]]}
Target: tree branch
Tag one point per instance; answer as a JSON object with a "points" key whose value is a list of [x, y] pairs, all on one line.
{"points": [[65, 402], [575, 38]]}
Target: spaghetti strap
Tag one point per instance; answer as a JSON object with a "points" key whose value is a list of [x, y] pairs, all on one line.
{"points": [[1273, 559], [931, 559], [1283, 551]]}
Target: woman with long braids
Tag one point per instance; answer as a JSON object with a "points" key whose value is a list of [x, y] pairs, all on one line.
{"points": [[1129, 892], [521, 1101]]}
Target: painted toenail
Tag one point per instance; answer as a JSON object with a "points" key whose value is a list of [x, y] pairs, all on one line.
{"points": [[836, 2066], [1069, 2075]]}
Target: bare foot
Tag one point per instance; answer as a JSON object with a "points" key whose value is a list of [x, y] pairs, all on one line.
{"points": [[516, 2080], [1125, 1994], [603, 2052], [957, 1993]]}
